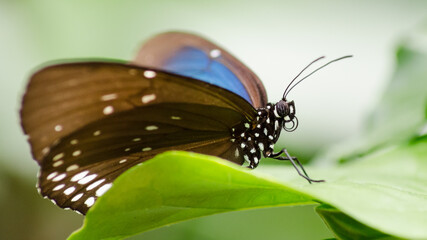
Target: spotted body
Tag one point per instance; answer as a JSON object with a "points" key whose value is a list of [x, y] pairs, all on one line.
{"points": [[257, 139]]}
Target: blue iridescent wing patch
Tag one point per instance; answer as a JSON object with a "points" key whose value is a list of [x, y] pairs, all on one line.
{"points": [[194, 63], [193, 56]]}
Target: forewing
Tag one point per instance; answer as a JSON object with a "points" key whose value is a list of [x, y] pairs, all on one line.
{"points": [[196, 57], [113, 116], [63, 98]]}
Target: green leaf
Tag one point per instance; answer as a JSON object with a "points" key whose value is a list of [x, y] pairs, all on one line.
{"points": [[177, 186], [400, 114], [386, 191], [346, 227]]}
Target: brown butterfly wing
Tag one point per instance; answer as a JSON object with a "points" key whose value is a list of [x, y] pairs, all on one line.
{"points": [[89, 122]]}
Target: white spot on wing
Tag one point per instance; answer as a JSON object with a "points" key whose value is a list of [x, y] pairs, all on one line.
{"points": [[109, 97], [77, 197], [146, 149], [58, 187], [214, 53], [79, 176], [151, 128], [87, 179], [95, 184], [122, 161], [108, 110], [74, 142], [97, 133], [59, 177], [45, 150], [149, 74], [103, 189], [58, 156], [72, 167], [90, 201], [148, 98], [77, 153], [69, 190], [52, 175], [175, 118], [58, 163], [58, 128]]}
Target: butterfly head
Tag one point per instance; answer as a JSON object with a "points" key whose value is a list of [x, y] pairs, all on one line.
{"points": [[286, 110]]}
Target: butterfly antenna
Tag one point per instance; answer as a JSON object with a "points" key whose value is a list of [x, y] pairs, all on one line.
{"points": [[284, 94], [324, 65]]}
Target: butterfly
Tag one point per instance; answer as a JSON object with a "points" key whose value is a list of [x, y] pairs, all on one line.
{"points": [[88, 122]]}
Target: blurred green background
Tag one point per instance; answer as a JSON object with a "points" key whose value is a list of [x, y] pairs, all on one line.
{"points": [[276, 39]]}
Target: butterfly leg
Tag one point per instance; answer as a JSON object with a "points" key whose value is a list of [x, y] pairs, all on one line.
{"points": [[278, 157], [293, 160], [274, 155]]}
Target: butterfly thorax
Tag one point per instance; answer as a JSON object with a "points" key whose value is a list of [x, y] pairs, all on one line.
{"points": [[259, 136]]}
